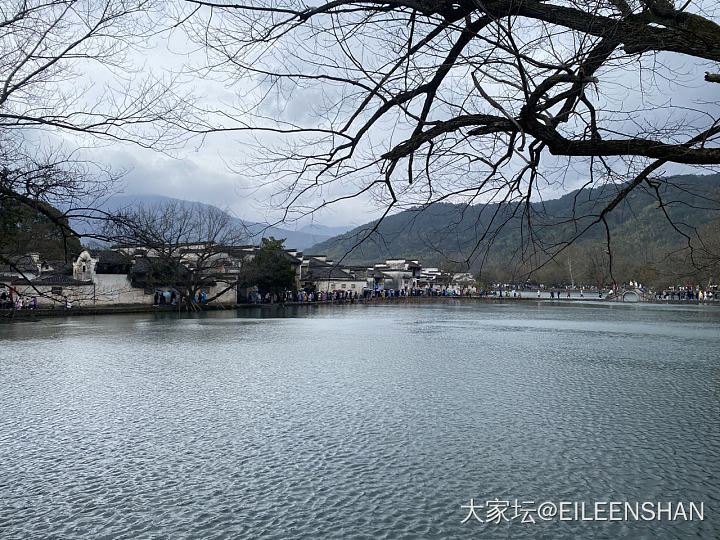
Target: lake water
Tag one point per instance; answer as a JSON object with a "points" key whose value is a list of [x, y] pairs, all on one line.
{"points": [[376, 421]]}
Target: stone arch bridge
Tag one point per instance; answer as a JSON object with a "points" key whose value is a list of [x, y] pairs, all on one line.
{"points": [[629, 294]]}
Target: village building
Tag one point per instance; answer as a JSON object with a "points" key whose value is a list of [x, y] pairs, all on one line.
{"points": [[396, 274], [463, 281], [123, 275], [110, 272], [27, 276], [29, 266], [126, 275], [321, 274]]}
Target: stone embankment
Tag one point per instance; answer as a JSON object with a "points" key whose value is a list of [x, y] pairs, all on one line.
{"points": [[7, 315]]}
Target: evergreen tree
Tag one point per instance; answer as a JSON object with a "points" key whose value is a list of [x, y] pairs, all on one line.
{"points": [[271, 270]]}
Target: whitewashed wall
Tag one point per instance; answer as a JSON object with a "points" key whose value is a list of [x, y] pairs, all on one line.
{"points": [[228, 297], [80, 295], [116, 289], [338, 285]]}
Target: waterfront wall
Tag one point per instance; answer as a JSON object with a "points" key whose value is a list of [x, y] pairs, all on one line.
{"points": [[116, 289], [59, 311]]}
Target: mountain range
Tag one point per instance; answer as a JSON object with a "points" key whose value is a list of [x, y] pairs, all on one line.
{"points": [[638, 226], [299, 239], [640, 231]]}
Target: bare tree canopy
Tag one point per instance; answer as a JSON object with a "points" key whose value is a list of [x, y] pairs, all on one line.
{"points": [[471, 101], [68, 65], [71, 77], [187, 246]]}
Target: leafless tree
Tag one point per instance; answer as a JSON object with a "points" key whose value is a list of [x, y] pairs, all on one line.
{"points": [[595, 271], [188, 246], [70, 78], [471, 101], [704, 270]]}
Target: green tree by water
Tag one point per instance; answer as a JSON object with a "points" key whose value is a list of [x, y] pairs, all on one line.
{"points": [[24, 229], [271, 270]]}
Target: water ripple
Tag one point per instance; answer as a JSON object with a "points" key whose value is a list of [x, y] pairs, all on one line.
{"points": [[356, 422]]}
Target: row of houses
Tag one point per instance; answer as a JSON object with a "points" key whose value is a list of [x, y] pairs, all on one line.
{"points": [[119, 275]]}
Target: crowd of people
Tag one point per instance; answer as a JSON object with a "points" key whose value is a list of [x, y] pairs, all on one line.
{"points": [[11, 299], [684, 292], [302, 296], [688, 293], [165, 298], [173, 298]]}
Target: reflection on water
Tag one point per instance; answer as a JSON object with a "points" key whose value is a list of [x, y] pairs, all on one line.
{"points": [[357, 421]]}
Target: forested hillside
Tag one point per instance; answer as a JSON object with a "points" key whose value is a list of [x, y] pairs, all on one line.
{"points": [[24, 229], [644, 244]]}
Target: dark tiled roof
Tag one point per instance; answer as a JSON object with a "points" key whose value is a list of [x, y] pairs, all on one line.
{"points": [[48, 279], [111, 262], [142, 266], [110, 256], [59, 263], [244, 248], [321, 271], [290, 258], [334, 275], [59, 279], [18, 263]]}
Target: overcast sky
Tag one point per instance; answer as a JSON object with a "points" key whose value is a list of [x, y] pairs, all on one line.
{"points": [[209, 169]]}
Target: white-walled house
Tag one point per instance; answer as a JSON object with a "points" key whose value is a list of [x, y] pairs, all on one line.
{"points": [[397, 274], [29, 275], [118, 276], [109, 272], [121, 276], [321, 274], [49, 291], [464, 281]]}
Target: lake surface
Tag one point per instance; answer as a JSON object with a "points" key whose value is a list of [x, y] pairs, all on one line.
{"points": [[377, 421]]}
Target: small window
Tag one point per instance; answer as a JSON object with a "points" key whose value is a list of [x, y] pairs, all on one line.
{"points": [[56, 290], [352, 285], [344, 285]]}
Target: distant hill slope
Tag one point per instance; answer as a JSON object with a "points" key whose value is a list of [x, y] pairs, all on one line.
{"points": [[24, 230], [300, 239], [447, 230]]}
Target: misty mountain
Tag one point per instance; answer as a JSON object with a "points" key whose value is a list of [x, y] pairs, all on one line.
{"points": [[300, 239], [316, 229]]}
